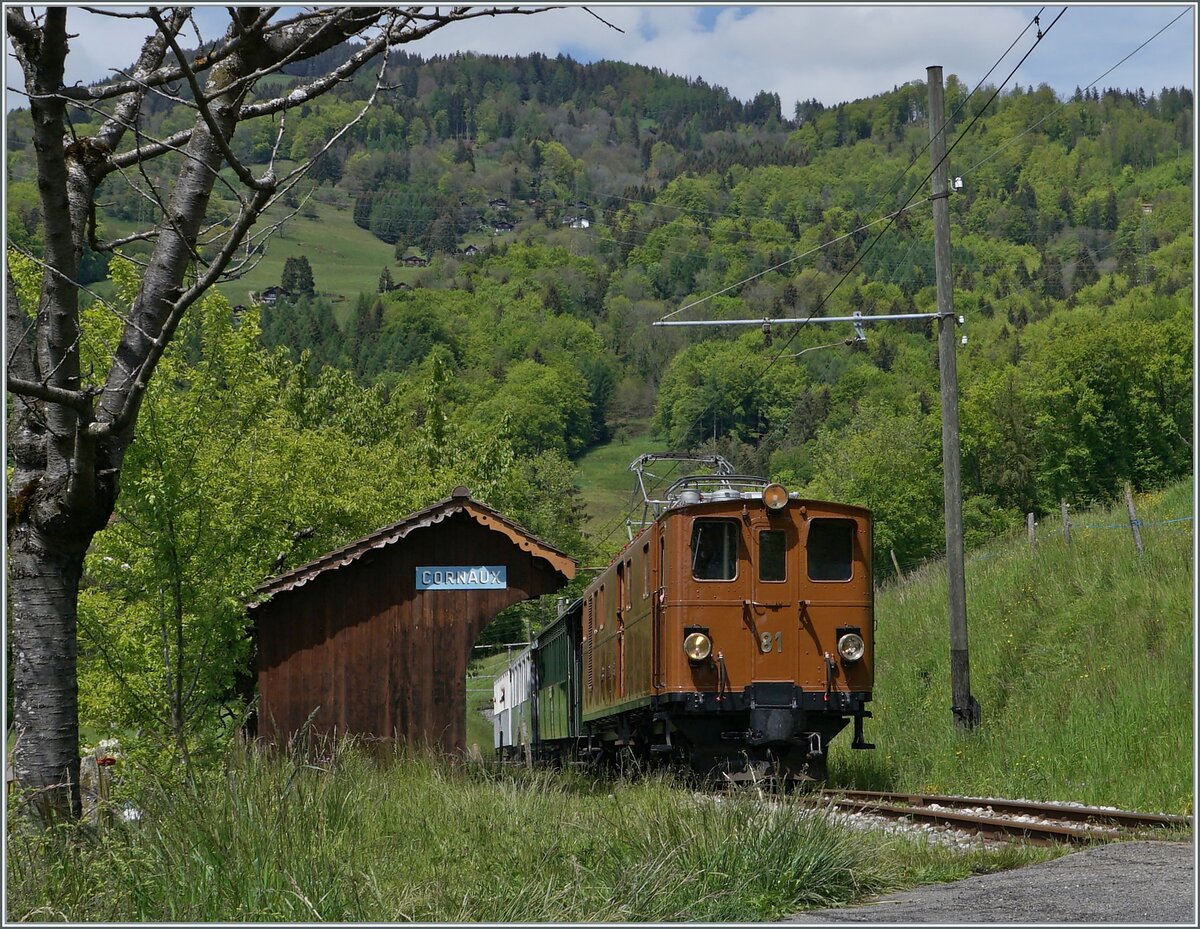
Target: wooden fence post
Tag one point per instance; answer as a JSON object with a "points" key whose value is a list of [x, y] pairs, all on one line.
{"points": [[1134, 522], [1030, 524], [896, 565], [1066, 522]]}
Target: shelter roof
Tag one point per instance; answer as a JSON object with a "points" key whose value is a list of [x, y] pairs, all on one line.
{"points": [[459, 501]]}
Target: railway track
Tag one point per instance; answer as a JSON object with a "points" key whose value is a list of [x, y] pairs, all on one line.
{"points": [[1039, 823]]}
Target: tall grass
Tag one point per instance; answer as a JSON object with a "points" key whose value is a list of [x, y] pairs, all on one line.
{"points": [[1081, 659], [406, 838]]}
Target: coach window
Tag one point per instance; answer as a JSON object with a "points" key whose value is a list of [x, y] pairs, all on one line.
{"points": [[772, 549], [714, 550], [831, 549]]}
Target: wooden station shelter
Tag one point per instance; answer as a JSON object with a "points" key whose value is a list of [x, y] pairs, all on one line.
{"points": [[374, 638]]}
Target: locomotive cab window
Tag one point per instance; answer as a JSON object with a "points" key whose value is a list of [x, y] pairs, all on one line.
{"points": [[831, 549], [772, 552], [714, 550]]}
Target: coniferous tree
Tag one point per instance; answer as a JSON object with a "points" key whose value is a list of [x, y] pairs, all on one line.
{"points": [[1110, 211], [297, 277]]}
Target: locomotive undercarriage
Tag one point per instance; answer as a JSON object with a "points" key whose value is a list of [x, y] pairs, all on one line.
{"points": [[771, 731]]}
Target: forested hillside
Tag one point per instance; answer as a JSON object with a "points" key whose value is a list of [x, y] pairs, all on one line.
{"points": [[515, 225], [631, 193]]}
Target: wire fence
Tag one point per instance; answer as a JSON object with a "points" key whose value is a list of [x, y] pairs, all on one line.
{"points": [[1035, 534]]}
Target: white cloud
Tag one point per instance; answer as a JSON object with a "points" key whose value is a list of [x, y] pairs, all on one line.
{"points": [[848, 52], [832, 53]]}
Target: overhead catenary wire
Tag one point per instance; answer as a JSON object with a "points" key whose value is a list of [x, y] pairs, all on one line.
{"points": [[889, 218], [1054, 112], [858, 259], [892, 217], [895, 184]]}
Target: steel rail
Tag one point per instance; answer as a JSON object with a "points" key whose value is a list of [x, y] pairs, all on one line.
{"points": [[1071, 813], [1040, 833]]}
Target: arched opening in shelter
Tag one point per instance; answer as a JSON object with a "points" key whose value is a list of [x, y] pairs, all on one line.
{"points": [[498, 644]]}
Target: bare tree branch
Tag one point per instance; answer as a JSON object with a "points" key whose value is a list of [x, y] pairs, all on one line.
{"points": [[132, 399], [101, 11], [172, 143], [113, 244], [75, 399], [218, 133], [591, 12], [153, 51], [22, 30], [399, 33]]}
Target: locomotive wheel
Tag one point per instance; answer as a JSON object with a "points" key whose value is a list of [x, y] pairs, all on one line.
{"points": [[805, 768]]}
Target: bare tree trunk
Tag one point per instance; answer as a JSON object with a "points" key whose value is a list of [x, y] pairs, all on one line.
{"points": [[43, 584]]}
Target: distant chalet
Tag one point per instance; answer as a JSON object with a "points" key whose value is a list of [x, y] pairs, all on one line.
{"points": [[273, 295], [374, 638]]}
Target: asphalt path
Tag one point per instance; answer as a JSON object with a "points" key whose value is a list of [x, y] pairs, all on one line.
{"points": [[1130, 883]]}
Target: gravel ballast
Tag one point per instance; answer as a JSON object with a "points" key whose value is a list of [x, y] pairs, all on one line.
{"points": [[1122, 882]]}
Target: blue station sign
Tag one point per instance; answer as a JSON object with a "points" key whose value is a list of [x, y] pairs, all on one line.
{"points": [[462, 577]]}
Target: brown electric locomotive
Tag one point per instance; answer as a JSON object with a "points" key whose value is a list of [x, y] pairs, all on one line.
{"points": [[734, 632]]}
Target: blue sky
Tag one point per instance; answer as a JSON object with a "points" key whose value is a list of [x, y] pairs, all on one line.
{"points": [[830, 52]]}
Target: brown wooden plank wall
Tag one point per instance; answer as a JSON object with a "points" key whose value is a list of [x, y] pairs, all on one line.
{"points": [[379, 657]]}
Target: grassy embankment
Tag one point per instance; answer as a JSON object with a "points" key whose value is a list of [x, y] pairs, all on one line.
{"points": [[345, 259], [1081, 659], [607, 483]]}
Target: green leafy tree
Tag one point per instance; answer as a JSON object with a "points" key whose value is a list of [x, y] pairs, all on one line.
{"points": [[714, 389], [890, 463], [541, 408], [443, 237], [317, 459], [161, 625]]}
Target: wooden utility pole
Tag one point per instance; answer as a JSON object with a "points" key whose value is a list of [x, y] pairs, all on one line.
{"points": [[966, 707]]}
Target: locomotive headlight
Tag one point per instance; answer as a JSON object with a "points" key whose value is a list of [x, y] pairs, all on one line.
{"points": [[851, 647], [775, 496], [698, 646]]}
